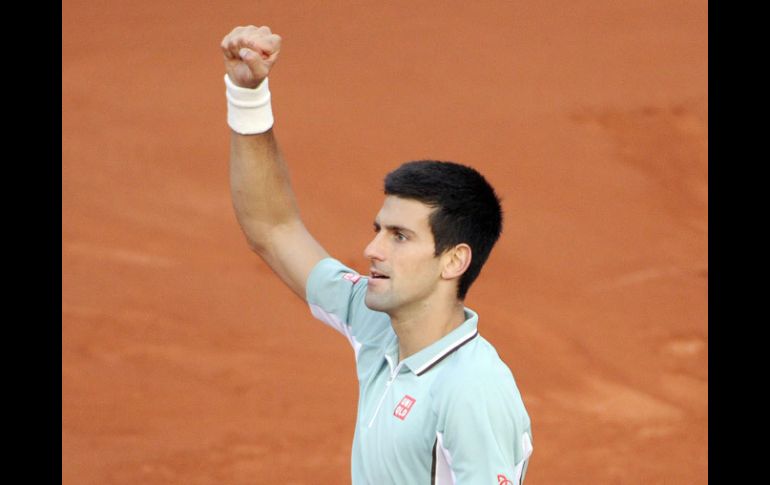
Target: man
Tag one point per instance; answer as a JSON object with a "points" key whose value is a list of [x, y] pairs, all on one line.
{"points": [[436, 403]]}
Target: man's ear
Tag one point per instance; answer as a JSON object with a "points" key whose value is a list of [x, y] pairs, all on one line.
{"points": [[456, 261]]}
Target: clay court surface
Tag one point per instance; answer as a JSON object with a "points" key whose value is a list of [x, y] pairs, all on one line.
{"points": [[185, 360]]}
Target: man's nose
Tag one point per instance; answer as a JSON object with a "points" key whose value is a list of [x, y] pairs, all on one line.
{"points": [[374, 249]]}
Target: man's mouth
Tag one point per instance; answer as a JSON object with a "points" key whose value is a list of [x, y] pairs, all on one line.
{"points": [[377, 275]]}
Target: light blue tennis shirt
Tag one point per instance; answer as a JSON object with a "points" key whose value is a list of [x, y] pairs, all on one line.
{"points": [[449, 414]]}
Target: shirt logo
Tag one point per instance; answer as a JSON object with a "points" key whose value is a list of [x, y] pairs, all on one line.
{"points": [[403, 408], [352, 277], [503, 480]]}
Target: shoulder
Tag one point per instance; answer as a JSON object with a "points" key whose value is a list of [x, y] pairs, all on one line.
{"points": [[476, 378], [330, 270], [336, 296], [473, 367], [482, 357], [334, 288]]}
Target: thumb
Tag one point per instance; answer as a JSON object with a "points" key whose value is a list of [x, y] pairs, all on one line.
{"points": [[254, 61], [247, 54]]}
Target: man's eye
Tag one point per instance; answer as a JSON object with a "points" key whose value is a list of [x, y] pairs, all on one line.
{"points": [[400, 236]]}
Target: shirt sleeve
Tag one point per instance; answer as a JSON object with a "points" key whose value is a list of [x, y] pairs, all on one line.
{"points": [[484, 434], [335, 294]]}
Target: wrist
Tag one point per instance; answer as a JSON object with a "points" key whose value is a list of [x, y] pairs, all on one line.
{"points": [[249, 111]]}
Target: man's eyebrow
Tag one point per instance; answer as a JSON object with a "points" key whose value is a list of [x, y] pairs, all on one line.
{"points": [[394, 228]]}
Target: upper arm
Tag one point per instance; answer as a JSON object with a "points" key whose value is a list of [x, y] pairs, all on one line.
{"points": [[485, 433], [292, 252]]}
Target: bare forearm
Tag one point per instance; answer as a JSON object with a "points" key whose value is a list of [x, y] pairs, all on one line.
{"points": [[260, 186], [259, 180]]}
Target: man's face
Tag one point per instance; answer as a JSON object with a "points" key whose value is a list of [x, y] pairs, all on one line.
{"points": [[403, 268]]}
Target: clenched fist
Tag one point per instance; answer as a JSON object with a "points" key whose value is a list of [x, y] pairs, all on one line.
{"points": [[250, 53]]}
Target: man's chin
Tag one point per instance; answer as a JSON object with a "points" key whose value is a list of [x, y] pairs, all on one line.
{"points": [[374, 304]]}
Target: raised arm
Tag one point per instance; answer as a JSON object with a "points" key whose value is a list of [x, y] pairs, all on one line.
{"points": [[259, 180]]}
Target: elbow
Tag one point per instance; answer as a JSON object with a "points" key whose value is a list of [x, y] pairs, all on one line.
{"points": [[256, 245], [256, 234]]}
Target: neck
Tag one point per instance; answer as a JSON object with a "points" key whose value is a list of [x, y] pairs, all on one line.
{"points": [[420, 327]]}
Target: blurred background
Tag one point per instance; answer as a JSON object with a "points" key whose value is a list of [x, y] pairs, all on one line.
{"points": [[185, 360]]}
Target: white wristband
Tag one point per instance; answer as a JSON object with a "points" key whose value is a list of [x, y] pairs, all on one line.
{"points": [[248, 110]]}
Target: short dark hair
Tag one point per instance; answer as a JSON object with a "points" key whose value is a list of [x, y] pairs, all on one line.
{"points": [[466, 208]]}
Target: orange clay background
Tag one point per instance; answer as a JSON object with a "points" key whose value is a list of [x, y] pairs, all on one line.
{"points": [[185, 360]]}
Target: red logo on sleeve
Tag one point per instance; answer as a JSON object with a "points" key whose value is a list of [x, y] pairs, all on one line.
{"points": [[403, 408], [503, 480], [352, 277]]}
